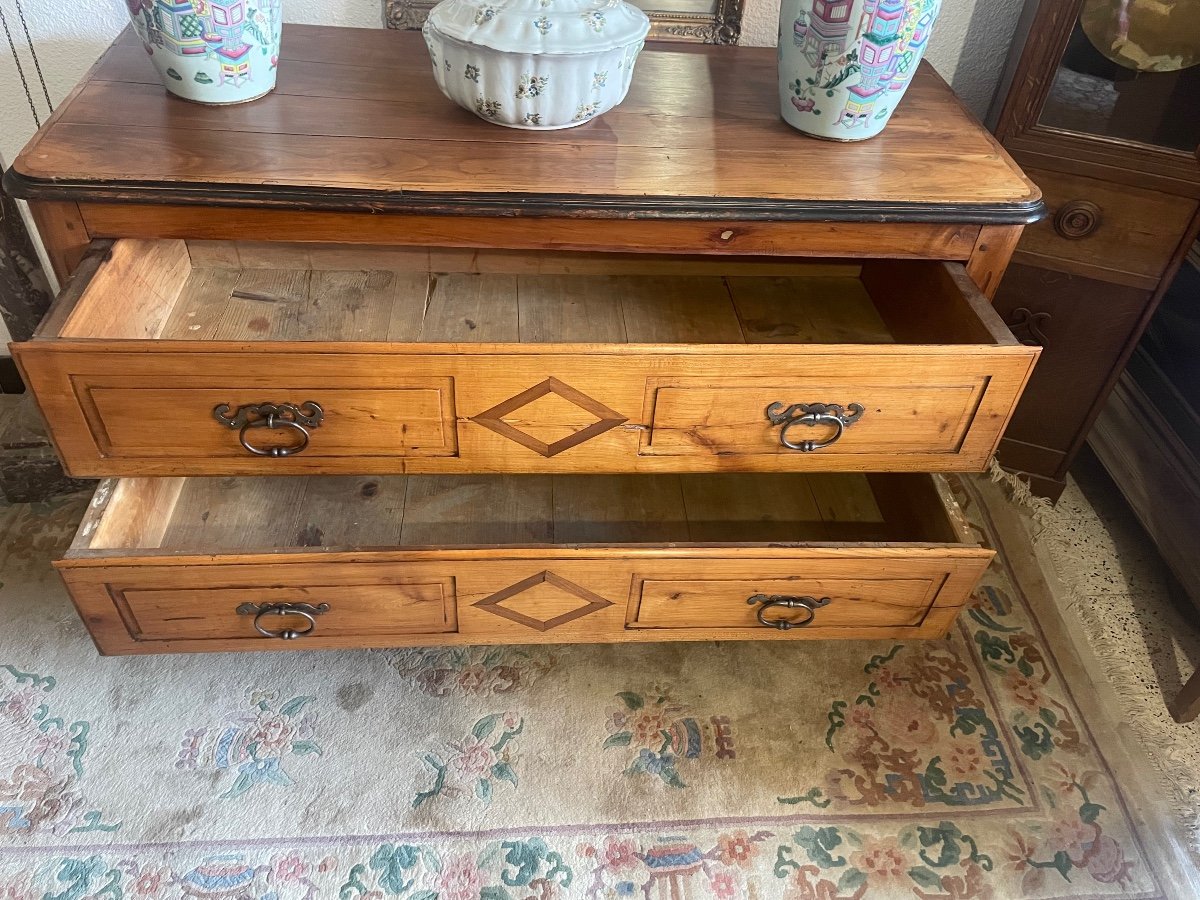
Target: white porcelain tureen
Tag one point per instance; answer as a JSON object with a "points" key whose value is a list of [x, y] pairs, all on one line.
{"points": [[535, 63]]}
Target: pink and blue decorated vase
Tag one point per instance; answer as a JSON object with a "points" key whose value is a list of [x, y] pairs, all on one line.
{"points": [[211, 51], [844, 64]]}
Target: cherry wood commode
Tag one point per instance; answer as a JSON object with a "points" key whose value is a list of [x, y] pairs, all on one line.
{"points": [[361, 370]]}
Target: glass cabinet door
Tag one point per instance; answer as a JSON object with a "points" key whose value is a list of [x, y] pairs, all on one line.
{"points": [[1131, 71]]}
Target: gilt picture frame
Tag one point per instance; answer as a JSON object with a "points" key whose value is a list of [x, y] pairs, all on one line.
{"points": [[693, 21]]}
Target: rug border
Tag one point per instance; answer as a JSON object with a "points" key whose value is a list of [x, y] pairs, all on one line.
{"points": [[1119, 749]]}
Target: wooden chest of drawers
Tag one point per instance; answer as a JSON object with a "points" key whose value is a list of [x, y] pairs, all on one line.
{"points": [[632, 401]]}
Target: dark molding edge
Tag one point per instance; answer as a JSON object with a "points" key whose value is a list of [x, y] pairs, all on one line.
{"points": [[747, 209]]}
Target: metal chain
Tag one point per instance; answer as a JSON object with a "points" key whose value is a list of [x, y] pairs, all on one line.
{"points": [[12, 46], [37, 64]]}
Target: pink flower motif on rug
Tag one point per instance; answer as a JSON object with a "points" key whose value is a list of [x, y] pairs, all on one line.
{"points": [[919, 733], [471, 671], [840, 861], [1074, 841], [1040, 717], [662, 734], [256, 744], [41, 761], [474, 765]]}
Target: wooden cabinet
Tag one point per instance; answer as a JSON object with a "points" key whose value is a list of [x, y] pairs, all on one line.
{"points": [[1082, 326], [460, 385], [1126, 235], [1114, 151]]}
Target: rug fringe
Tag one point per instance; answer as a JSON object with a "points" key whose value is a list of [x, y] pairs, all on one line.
{"points": [[1176, 776], [1019, 493]]}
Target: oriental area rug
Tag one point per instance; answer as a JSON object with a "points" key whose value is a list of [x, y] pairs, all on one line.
{"points": [[985, 765]]}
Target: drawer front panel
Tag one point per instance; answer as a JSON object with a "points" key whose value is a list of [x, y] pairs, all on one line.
{"points": [[519, 596], [147, 607], [1105, 227], [897, 589], [131, 420], [412, 607], [714, 417], [478, 410]]}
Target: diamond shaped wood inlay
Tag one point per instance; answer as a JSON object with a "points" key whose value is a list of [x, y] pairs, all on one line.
{"points": [[590, 602], [494, 417]]}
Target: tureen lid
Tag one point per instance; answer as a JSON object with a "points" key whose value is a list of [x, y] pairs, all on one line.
{"points": [[541, 26]]}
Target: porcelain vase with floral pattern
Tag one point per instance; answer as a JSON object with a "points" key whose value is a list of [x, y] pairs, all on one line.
{"points": [[537, 64], [844, 65], [211, 51]]}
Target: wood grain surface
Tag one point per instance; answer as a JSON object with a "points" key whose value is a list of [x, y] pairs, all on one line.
{"points": [[562, 559], [422, 371], [356, 121]]}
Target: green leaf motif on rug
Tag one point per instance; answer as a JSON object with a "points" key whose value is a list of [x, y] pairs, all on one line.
{"points": [[432, 871], [838, 861], [447, 672], [926, 878], [813, 796], [818, 842], [916, 733], [876, 662], [42, 791], [473, 765], [87, 878], [391, 862], [948, 836], [257, 745], [525, 860], [631, 700]]}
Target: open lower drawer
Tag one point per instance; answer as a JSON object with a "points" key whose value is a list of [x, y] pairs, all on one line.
{"points": [[189, 564], [168, 358]]}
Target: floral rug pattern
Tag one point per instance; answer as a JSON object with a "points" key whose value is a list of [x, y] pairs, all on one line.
{"points": [[951, 769], [254, 744]]}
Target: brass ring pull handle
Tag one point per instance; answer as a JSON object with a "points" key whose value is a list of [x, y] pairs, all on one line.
{"points": [[776, 601], [305, 611], [811, 415], [272, 415]]}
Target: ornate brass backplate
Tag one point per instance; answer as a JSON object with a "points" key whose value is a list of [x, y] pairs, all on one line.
{"points": [[696, 21]]}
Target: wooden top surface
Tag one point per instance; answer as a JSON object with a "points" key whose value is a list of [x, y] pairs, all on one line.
{"points": [[357, 122]]}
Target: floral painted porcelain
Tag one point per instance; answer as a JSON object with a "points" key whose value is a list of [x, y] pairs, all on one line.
{"points": [[845, 64], [535, 63], [211, 51]]}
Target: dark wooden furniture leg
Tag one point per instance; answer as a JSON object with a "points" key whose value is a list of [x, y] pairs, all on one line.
{"points": [[29, 467], [24, 292], [1186, 705]]}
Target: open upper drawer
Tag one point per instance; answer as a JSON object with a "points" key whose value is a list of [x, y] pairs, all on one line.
{"points": [[164, 358]]}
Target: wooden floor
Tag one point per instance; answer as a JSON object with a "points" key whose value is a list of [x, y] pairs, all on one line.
{"points": [[233, 514]]}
